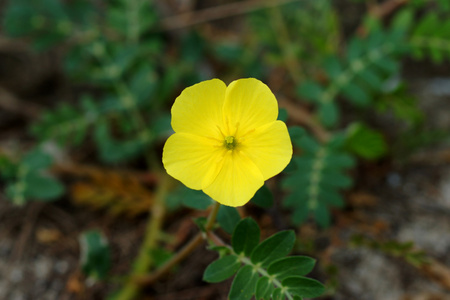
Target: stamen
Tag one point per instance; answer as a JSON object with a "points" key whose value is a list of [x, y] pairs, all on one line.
{"points": [[230, 142], [220, 130]]}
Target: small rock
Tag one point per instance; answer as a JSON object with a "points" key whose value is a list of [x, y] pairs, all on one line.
{"points": [[61, 266], [42, 268], [16, 275]]}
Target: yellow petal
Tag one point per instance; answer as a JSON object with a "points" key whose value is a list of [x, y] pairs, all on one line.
{"points": [[269, 147], [237, 181], [249, 104], [192, 159], [198, 110]]}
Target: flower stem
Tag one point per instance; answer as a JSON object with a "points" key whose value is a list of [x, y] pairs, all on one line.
{"points": [[183, 253], [144, 260], [212, 217]]}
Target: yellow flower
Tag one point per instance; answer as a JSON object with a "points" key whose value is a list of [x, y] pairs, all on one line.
{"points": [[227, 140]]}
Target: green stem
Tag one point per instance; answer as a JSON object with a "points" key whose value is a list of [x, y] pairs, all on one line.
{"points": [[212, 217], [144, 260], [183, 253]]}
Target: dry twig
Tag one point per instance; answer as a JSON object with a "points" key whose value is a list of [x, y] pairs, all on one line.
{"points": [[218, 12]]}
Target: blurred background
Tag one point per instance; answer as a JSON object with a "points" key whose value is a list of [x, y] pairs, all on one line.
{"points": [[86, 88]]}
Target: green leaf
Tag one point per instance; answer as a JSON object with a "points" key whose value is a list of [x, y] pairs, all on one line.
{"points": [[322, 216], [263, 197], [337, 142], [14, 193], [307, 144], [328, 113], [221, 269], [356, 94], [228, 217], [47, 41], [403, 20], [201, 223], [387, 65], [161, 125], [365, 142], [228, 52], [160, 256], [300, 215], [196, 199], [278, 294], [310, 90], [331, 198], [303, 287], [143, 83], [372, 79], [354, 49], [283, 114], [8, 168], [244, 284], [42, 187], [95, 254], [18, 19], [37, 159], [339, 160], [115, 151], [318, 176], [333, 67], [66, 124], [264, 289], [291, 266], [335, 179], [296, 132], [245, 236], [276, 246]]}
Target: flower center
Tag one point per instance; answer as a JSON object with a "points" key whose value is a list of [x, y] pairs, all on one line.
{"points": [[230, 142]]}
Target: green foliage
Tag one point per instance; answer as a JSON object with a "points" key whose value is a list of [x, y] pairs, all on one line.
{"points": [[95, 257], [262, 269], [112, 150], [365, 142], [196, 199], [405, 250], [116, 53], [30, 179], [263, 197], [47, 20], [222, 269], [430, 38], [248, 237], [314, 21], [357, 76], [402, 105], [8, 168], [66, 125], [228, 217], [318, 176]]}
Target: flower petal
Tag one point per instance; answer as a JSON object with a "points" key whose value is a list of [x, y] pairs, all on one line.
{"points": [[249, 104], [198, 110], [192, 159], [269, 147], [237, 181]]}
